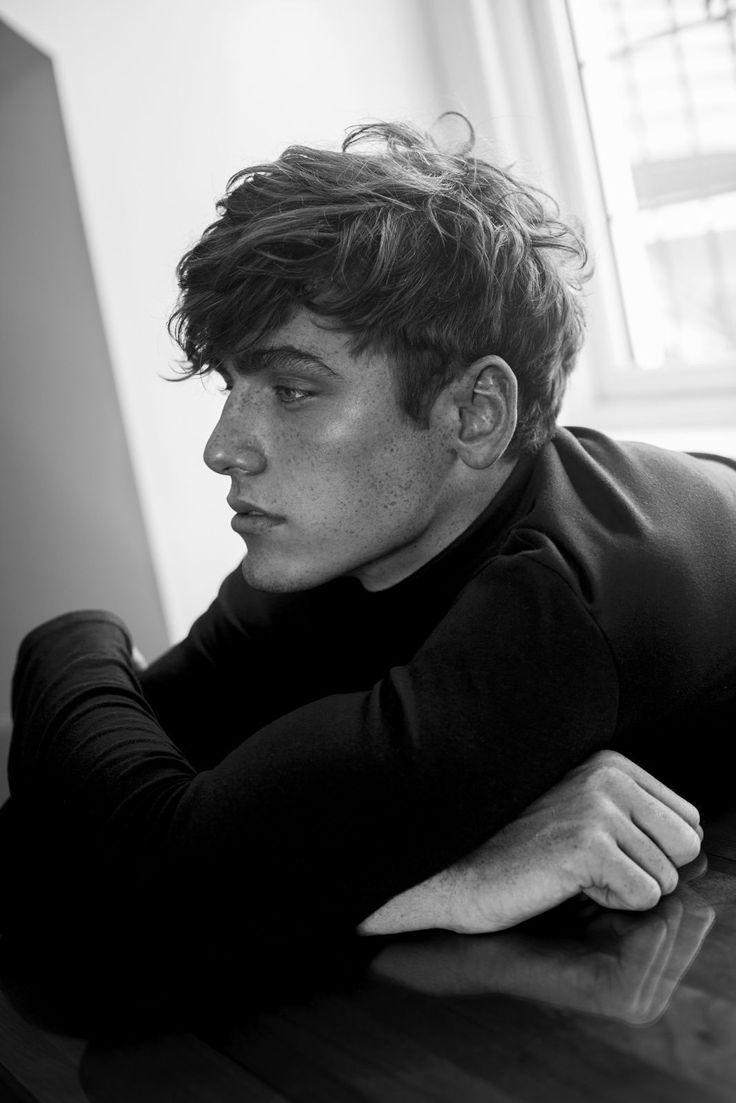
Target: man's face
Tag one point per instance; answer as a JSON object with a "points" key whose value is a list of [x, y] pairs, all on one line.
{"points": [[328, 478]]}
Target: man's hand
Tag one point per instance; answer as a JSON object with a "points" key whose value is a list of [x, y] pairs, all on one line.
{"points": [[608, 829]]}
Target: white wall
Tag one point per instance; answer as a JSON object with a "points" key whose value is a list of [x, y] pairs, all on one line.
{"points": [[163, 100], [72, 534]]}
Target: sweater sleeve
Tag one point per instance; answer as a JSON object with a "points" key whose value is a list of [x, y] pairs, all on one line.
{"points": [[191, 688], [325, 813]]}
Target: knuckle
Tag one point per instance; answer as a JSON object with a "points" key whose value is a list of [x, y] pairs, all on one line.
{"points": [[603, 778], [590, 839], [602, 764], [605, 758]]}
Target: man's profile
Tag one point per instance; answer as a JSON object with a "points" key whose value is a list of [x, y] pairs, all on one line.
{"points": [[406, 708]]}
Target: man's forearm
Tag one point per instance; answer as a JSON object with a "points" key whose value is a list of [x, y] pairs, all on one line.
{"points": [[321, 817], [291, 832]]}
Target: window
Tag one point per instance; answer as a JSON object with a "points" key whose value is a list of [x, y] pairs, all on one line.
{"points": [[625, 111], [658, 78]]}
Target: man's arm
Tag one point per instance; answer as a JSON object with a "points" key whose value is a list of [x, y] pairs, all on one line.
{"points": [[321, 816], [608, 829], [215, 688]]}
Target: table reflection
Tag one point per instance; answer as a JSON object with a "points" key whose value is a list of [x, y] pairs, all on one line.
{"points": [[621, 965]]}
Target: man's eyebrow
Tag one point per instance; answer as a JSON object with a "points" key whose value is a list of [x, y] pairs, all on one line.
{"points": [[282, 356]]}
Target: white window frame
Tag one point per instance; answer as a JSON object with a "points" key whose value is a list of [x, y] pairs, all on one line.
{"points": [[511, 66]]}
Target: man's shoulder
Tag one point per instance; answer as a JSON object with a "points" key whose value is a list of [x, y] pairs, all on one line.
{"points": [[618, 521], [586, 448], [632, 486]]}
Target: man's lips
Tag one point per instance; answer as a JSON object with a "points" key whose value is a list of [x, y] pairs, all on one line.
{"points": [[250, 519]]}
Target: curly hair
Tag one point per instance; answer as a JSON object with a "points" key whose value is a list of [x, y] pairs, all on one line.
{"points": [[434, 258]]}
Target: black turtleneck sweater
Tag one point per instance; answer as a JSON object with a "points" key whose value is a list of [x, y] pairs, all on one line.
{"points": [[300, 758]]}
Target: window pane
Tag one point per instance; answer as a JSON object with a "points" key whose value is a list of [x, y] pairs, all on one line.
{"points": [[659, 77]]}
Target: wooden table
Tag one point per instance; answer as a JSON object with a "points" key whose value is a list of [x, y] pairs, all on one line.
{"points": [[588, 1006]]}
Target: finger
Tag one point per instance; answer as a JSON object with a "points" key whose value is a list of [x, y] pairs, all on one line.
{"points": [[659, 791], [673, 835], [649, 856], [625, 885]]}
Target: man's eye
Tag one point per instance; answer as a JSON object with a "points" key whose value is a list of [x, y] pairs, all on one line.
{"points": [[289, 395]]}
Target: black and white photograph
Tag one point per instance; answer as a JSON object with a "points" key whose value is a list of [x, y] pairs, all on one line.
{"points": [[367, 551]]}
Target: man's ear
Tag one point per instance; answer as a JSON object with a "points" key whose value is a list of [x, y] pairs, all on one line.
{"points": [[485, 399]]}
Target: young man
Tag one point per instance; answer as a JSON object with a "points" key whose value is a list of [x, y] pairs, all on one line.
{"points": [[447, 604]]}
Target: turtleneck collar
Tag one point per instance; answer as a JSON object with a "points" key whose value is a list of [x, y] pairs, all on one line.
{"points": [[458, 558]]}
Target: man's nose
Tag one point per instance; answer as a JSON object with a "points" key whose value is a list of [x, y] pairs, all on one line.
{"points": [[233, 446]]}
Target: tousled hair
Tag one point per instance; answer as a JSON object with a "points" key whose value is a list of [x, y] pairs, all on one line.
{"points": [[434, 258]]}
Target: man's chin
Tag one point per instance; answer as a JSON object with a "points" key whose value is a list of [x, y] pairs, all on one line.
{"points": [[272, 580]]}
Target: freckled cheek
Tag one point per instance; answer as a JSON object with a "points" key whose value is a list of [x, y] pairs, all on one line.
{"points": [[353, 479], [375, 496], [349, 494], [335, 454], [318, 479]]}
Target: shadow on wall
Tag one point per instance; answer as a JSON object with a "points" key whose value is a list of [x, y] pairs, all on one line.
{"points": [[72, 533]]}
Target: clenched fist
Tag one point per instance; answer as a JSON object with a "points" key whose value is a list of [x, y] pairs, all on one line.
{"points": [[608, 829]]}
